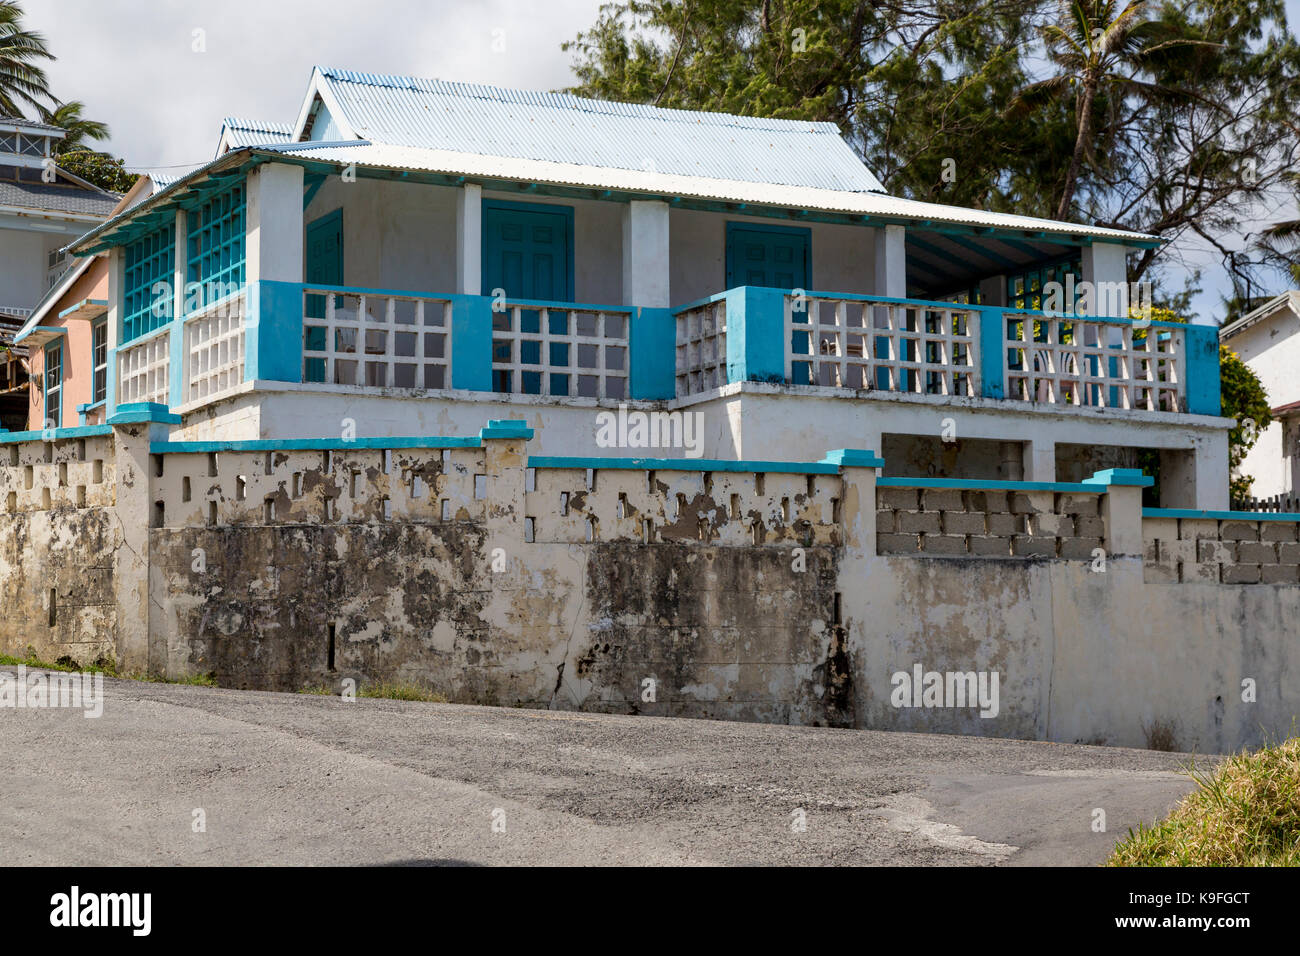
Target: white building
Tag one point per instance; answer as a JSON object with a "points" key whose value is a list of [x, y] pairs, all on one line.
{"points": [[411, 257], [1268, 340]]}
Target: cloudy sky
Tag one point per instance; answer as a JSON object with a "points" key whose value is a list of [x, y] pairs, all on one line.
{"points": [[134, 62]]}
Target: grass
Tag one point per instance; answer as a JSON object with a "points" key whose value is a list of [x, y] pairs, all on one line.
{"points": [[103, 665], [383, 690], [1246, 813]]}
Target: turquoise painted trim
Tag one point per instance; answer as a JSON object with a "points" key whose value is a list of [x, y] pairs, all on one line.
{"points": [[1128, 477], [1221, 515], [993, 353], [55, 434], [81, 304], [976, 484], [312, 182], [685, 464], [756, 335], [471, 342], [133, 413], [534, 207], [273, 332], [363, 290], [311, 444], [569, 306], [86, 408], [505, 428], [652, 354], [1202, 350], [707, 300], [853, 458]]}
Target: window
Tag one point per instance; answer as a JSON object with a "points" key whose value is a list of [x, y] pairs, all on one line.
{"points": [[54, 385], [99, 349], [149, 261], [1025, 289], [216, 244]]}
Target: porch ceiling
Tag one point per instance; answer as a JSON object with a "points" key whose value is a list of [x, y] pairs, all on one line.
{"points": [[940, 263]]}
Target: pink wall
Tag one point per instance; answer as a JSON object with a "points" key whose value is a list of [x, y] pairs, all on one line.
{"points": [[78, 358]]}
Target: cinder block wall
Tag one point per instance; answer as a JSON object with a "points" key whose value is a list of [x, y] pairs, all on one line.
{"points": [[793, 593]]}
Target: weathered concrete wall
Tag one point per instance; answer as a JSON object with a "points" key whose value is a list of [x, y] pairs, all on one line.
{"points": [[779, 595]]}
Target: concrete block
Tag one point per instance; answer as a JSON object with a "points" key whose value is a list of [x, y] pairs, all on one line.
{"points": [[913, 522], [1160, 572], [1090, 527], [944, 544], [1241, 574], [1239, 531], [1160, 527], [1216, 552], [1288, 553], [898, 499], [1190, 529], [1204, 573], [1006, 524], [1057, 526], [1027, 546], [898, 544], [1079, 549], [1257, 552], [1032, 502], [987, 501], [942, 499], [885, 522], [1277, 531], [1279, 574], [963, 522], [1178, 552], [1078, 504], [990, 546]]}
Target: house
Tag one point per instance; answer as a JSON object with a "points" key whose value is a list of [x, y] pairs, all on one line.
{"points": [[42, 208], [1268, 340], [66, 340], [411, 256]]}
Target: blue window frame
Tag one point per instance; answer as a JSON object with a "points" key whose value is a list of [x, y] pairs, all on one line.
{"points": [[1025, 289], [54, 385], [215, 253], [151, 259]]}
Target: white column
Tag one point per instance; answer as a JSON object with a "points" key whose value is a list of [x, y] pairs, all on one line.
{"points": [[891, 263], [274, 244], [181, 266], [645, 254], [469, 240], [1105, 270]]}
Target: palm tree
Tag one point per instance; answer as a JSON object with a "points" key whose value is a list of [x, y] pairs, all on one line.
{"points": [[1098, 51], [21, 79], [1280, 242], [68, 117]]}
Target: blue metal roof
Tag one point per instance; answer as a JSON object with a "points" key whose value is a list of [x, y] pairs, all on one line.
{"points": [[245, 132], [558, 127]]}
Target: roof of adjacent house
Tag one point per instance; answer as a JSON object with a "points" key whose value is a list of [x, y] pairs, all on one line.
{"points": [[560, 128], [237, 132], [56, 197], [1287, 301]]}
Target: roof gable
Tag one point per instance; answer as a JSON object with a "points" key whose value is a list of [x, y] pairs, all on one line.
{"points": [[560, 128]]}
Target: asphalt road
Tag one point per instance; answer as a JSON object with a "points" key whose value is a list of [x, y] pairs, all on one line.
{"points": [[293, 779]]}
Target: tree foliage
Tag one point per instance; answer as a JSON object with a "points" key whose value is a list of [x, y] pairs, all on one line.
{"points": [[1177, 119], [1243, 398]]}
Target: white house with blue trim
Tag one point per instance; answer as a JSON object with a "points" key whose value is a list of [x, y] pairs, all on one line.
{"points": [[412, 256]]}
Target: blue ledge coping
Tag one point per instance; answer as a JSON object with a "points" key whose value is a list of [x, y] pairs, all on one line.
{"points": [[505, 428], [685, 464], [1130, 477], [135, 412], [82, 304], [51, 329], [979, 484], [311, 444], [1221, 515], [55, 434], [89, 406], [854, 458]]}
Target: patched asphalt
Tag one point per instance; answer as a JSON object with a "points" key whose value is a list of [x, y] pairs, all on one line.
{"points": [[299, 779]]}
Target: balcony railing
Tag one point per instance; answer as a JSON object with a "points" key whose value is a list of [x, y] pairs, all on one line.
{"points": [[541, 348], [376, 339]]}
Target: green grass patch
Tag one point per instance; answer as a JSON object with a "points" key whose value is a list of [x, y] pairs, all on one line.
{"points": [[103, 665], [1246, 813], [400, 692]]}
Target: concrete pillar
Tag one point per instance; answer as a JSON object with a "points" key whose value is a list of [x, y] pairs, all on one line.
{"points": [[115, 293], [993, 290], [135, 426], [1104, 268], [1121, 507], [1196, 477], [274, 243], [645, 254], [469, 240], [858, 470], [890, 277], [1039, 460]]}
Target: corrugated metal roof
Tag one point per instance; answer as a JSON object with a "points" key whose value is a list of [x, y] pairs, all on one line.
{"points": [[560, 128], [245, 132], [760, 193]]}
